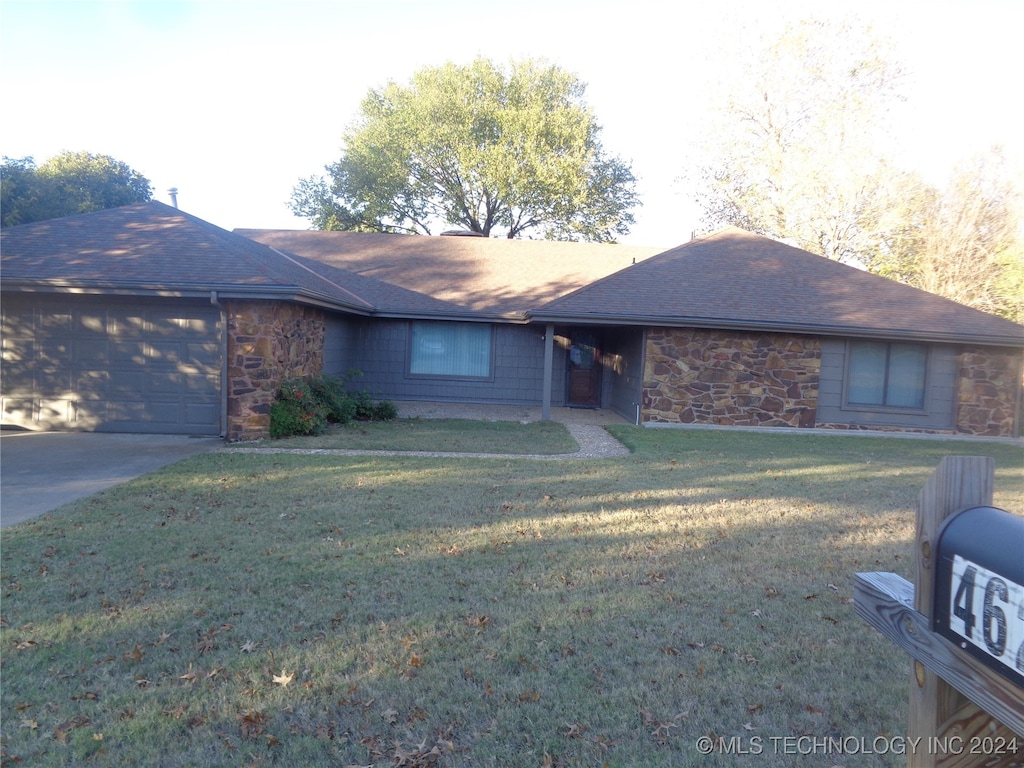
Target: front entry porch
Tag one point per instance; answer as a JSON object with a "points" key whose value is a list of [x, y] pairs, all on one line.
{"points": [[593, 367]]}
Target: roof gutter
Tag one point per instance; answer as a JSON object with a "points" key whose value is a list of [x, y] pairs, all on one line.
{"points": [[223, 291], [767, 326]]}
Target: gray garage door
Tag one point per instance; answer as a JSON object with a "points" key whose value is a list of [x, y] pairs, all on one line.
{"points": [[111, 365]]}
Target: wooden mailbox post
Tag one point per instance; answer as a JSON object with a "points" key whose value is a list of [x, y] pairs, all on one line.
{"points": [[955, 698]]}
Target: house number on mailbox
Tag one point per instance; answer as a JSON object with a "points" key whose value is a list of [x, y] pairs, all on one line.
{"points": [[987, 610]]}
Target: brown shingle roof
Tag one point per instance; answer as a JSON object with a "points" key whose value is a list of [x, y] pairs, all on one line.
{"points": [[487, 276], [731, 279], [158, 247], [740, 280]]}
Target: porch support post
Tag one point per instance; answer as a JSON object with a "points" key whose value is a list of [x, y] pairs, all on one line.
{"points": [[549, 354]]}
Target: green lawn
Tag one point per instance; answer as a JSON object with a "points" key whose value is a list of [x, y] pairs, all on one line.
{"points": [[307, 610], [449, 435]]}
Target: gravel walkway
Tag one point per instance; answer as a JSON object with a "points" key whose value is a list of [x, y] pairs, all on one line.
{"points": [[594, 442], [585, 427]]}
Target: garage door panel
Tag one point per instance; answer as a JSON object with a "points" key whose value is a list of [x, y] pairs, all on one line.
{"points": [[198, 414], [165, 383], [199, 351], [177, 325], [50, 382], [92, 385], [18, 352], [127, 353], [16, 409], [54, 411], [161, 413], [127, 326], [203, 385], [167, 352], [52, 355], [91, 322], [118, 411], [110, 364], [52, 322], [17, 326], [90, 351]]}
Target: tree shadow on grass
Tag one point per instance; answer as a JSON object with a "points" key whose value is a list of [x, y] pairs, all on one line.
{"points": [[496, 610]]}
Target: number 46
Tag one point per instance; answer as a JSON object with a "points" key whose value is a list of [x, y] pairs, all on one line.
{"points": [[993, 616]]}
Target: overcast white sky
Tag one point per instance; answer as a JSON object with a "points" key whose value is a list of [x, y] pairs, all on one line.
{"points": [[233, 102]]}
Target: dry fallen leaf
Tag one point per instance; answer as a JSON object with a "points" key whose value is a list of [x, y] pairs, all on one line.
{"points": [[284, 678], [252, 724]]}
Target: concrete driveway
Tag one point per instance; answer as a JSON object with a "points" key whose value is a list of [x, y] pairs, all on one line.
{"points": [[40, 471]]}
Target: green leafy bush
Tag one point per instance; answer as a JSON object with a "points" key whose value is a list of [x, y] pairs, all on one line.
{"points": [[306, 406], [297, 411], [330, 392], [384, 410]]}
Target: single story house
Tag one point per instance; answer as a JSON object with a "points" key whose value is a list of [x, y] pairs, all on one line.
{"points": [[144, 318]]}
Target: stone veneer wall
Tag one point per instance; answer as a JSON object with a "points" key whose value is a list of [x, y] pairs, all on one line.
{"points": [[730, 378], [989, 387], [268, 342]]}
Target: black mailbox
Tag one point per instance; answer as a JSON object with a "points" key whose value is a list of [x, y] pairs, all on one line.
{"points": [[979, 587]]}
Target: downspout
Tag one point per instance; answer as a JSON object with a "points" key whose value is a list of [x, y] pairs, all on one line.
{"points": [[223, 364], [643, 368]]}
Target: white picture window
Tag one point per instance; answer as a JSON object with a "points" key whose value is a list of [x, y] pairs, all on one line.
{"points": [[453, 350]]}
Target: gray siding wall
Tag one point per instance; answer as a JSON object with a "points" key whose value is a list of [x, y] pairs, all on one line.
{"points": [[624, 368], [339, 344], [940, 395], [379, 348]]}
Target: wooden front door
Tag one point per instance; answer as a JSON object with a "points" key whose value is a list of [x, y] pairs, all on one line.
{"points": [[584, 373]]}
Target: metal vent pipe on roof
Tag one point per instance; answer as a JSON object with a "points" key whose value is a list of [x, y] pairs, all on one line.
{"points": [[173, 192]]}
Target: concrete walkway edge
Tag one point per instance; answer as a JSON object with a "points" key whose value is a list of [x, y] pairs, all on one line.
{"points": [[594, 442]]}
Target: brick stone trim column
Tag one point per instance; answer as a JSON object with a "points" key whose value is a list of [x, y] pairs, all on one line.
{"points": [[731, 378], [268, 342], [988, 393]]}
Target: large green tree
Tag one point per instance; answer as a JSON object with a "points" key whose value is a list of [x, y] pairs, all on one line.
{"points": [[514, 151], [66, 184], [962, 240], [797, 148], [792, 142]]}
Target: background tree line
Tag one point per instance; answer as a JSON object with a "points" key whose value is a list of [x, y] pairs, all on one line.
{"points": [[797, 146], [66, 184]]}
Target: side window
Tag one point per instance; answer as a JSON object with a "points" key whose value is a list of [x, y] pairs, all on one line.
{"points": [[887, 375]]}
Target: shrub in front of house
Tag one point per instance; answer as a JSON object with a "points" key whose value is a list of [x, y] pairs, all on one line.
{"points": [[384, 410], [297, 410], [307, 406]]}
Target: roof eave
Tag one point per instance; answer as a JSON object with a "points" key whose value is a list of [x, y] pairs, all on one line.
{"points": [[221, 291], [801, 328], [514, 318]]}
